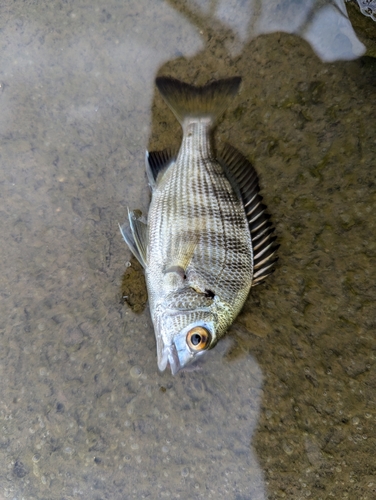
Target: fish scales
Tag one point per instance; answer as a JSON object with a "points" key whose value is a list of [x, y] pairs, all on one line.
{"points": [[197, 245], [197, 180]]}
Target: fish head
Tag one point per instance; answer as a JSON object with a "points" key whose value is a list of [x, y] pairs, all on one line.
{"points": [[184, 336], [186, 326]]}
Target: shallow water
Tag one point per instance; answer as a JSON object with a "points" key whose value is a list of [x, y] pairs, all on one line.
{"points": [[285, 407]]}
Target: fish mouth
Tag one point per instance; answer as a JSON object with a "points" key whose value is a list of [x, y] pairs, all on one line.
{"points": [[173, 350], [166, 352], [168, 355], [176, 355]]}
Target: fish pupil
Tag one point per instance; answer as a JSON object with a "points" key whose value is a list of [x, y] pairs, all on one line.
{"points": [[196, 339]]}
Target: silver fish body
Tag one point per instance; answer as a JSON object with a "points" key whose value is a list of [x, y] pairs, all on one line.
{"points": [[197, 246]]}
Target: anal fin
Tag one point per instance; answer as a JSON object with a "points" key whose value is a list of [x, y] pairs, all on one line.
{"points": [[157, 162]]}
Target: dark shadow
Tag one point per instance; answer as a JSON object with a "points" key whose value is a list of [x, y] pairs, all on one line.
{"points": [[295, 120]]}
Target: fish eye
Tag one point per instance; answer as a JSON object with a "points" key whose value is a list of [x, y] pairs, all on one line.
{"points": [[198, 338]]}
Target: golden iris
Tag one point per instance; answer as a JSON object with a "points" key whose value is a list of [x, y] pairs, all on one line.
{"points": [[198, 338]]}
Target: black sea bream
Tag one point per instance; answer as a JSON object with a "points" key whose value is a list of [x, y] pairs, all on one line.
{"points": [[207, 239]]}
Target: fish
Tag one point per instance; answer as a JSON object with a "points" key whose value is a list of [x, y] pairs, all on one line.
{"points": [[207, 238]]}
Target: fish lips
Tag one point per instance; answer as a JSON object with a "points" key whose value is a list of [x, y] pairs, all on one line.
{"points": [[167, 354], [176, 357]]}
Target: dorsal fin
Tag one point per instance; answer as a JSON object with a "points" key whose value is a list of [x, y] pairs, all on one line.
{"points": [[156, 162], [244, 179], [241, 173]]}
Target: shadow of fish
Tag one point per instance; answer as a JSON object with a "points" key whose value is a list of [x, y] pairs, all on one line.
{"points": [[207, 238]]}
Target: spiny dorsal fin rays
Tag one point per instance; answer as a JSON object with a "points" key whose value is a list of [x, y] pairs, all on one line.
{"points": [[240, 171], [244, 178], [260, 279], [266, 228]]}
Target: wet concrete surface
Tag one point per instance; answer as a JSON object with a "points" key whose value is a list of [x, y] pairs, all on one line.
{"points": [[285, 407]]}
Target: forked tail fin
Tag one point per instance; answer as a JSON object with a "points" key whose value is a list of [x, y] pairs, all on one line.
{"points": [[190, 102]]}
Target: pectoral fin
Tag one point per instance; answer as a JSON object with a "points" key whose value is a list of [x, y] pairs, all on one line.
{"points": [[179, 270], [180, 255], [136, 235]]}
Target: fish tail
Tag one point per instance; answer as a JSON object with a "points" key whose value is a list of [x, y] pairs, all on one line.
{"points": [[190, 102]]}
